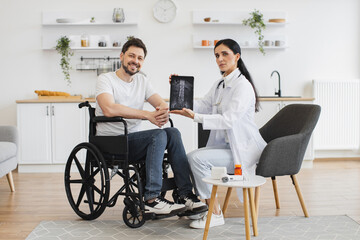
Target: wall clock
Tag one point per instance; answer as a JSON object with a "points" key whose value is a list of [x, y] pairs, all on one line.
{"points": [[165, 11]]}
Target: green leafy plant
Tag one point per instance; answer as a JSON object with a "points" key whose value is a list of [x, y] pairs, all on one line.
{"points": [[256, 21], [63, 48]]}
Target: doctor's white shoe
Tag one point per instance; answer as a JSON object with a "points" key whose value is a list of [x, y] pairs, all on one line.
{"points": [[216, 220]]}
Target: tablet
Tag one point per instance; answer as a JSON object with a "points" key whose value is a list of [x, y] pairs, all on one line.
{"points": [[181, 92]]}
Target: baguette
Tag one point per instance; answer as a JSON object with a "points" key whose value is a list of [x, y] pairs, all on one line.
{"points": [[50, 93]]}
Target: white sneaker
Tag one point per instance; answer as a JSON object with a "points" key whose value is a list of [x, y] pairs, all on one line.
{"points": [[196, 216], [163, 206], [193, 204], [216, 220]]}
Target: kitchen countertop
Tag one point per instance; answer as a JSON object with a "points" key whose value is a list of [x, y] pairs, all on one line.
{"points": [[286, 99], [57, 100], [93, 100]]}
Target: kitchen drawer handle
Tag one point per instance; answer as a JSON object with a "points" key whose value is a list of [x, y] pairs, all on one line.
{"points": [[52, 110]]}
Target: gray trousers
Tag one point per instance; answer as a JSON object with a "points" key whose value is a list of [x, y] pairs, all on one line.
{"points": [[202, 160]]}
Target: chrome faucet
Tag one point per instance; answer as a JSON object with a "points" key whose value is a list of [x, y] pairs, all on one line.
{"points": [[279, 91]]}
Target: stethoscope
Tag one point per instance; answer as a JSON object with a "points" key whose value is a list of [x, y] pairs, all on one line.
{"points": [[223, 84]]}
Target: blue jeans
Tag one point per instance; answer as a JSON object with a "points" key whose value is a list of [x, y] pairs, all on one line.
{"points": [[152, 144]]}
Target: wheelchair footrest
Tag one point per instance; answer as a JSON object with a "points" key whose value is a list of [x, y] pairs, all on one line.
{"points": [[153, 216]]}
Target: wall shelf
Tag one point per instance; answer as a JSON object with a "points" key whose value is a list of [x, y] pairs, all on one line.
{"points": [[82, 18], [234, 17], [91, 48], [229, 24], [77, 23], [268, 24], [242, 47], [90, 24], [245, 41]]}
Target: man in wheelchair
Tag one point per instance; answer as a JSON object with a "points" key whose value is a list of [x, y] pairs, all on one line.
{"points": [[122, 93]]}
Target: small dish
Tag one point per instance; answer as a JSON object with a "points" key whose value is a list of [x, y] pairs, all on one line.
{"points": [[66, 20]]}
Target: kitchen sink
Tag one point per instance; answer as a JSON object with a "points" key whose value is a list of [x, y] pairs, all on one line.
{"points": [[279, 97]]}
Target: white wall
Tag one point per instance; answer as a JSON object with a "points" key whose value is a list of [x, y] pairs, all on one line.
{"points": [[323, 37]]}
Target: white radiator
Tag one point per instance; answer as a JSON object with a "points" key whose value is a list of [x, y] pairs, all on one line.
{"points": [[339, 123]]}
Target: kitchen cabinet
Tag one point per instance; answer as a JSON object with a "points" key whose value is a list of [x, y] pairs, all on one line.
{"points": [[228, 24], [73, 24], [48, 132], [269, 108]]}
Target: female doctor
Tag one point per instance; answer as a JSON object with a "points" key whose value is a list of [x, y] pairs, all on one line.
{"points": [[228, 111]]}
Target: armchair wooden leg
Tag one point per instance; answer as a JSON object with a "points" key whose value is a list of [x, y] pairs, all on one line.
{"points": [[297, 188], [275, 192], [11, 181]]}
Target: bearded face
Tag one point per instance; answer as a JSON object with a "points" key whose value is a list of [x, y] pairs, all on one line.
{"points": [[132, 60]]}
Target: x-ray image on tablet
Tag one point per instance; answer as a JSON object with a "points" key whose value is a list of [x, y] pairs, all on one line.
{"points": [[181, 92]]}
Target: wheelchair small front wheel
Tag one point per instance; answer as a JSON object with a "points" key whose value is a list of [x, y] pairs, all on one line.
{"points": [[133, 216], [87, 185]]}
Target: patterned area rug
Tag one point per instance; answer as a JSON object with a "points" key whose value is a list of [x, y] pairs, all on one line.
{"points": [[269, 228]]}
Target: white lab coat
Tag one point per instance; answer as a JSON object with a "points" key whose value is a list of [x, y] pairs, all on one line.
{"points": [[237, 119]]}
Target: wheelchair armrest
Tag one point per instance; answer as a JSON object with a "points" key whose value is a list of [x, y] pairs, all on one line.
{"points": [[171, 122], [111, 119], [84, 104], [107, 119]]}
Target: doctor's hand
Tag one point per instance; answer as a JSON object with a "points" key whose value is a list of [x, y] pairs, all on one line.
{"points": [[184, 112], [171, 76]]}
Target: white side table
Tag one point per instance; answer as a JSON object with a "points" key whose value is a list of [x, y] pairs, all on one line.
{"points": [[247, 186]]}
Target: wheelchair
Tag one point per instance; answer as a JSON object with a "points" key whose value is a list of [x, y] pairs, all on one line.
{"points": [[87, 178]]}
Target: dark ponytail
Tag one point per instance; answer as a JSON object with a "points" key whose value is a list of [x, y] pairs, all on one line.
{"points": [[235, 48]]}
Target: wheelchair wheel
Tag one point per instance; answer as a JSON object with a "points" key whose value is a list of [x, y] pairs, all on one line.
{"points": [[87, 188]]}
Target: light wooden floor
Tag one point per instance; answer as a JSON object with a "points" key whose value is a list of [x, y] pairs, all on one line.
{"points": [[330, 188]]}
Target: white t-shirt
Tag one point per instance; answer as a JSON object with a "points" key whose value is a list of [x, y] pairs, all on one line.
{"points": [[132, 94]]}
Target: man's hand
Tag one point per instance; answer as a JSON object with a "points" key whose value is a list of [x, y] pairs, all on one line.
{"points": [[185, 112], [159, 117]]}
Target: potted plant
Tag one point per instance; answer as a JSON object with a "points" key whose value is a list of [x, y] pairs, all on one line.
{"points": [[63, 48], [256, 21], [130, 37]]}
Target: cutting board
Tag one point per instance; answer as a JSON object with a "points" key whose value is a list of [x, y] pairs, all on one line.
{"points": [[277, 20]]}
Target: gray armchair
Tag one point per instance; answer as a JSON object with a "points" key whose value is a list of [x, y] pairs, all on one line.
{"points": [[8, 152], [287, 134]]}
